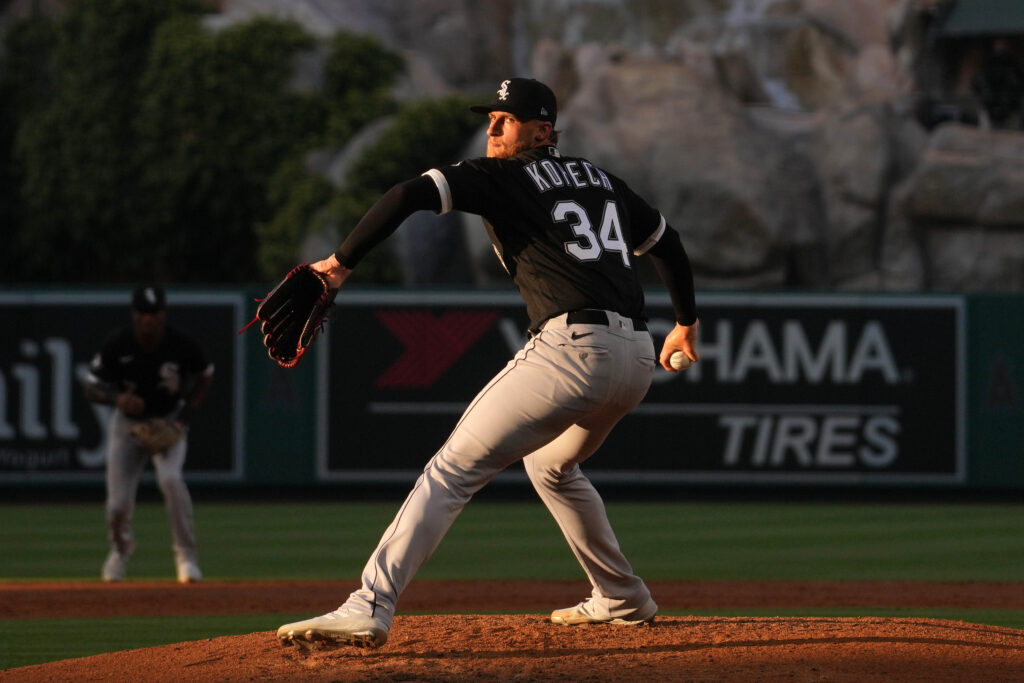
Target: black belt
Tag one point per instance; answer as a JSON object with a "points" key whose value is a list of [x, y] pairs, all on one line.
{"points": [[589, 316]]}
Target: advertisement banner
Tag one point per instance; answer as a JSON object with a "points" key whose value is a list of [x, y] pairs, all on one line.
{"points": [[50, 433], [789, 389]]}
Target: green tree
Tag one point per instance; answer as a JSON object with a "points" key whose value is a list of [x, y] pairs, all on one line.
{"points": [[421, 135], [358, 74], [141, 144], [302, 200], [26, 80], [216, 122], [73, 141]]}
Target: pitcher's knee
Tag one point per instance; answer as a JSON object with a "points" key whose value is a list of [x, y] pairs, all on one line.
{"points": [[549, 476], [449, 483]]}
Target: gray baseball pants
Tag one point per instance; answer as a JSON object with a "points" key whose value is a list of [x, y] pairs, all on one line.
{"points": [[551, 406], [126, 460]]}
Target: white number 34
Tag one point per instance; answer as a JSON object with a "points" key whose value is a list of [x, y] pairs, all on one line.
{"points": [[590, 246]]}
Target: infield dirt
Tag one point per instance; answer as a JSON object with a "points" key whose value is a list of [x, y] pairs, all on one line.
{"points": [[465, 644]]}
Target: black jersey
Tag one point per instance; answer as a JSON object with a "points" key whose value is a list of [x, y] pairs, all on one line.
{"points": [[565, 230], [160, 377]]}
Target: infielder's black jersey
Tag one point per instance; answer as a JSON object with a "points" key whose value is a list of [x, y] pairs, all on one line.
{"points": [[160, 377], [565, 230]]}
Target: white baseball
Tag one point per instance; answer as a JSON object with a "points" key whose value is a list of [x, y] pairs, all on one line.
{"points": [[679, 360]]}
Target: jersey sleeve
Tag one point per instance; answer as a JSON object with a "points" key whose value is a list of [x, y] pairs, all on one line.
{"points": [[102, 383], [103, 366], [468, 186], [648, 225], [654, 237]]}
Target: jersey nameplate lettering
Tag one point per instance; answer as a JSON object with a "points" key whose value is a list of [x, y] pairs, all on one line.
{"points": [[548, 174]]}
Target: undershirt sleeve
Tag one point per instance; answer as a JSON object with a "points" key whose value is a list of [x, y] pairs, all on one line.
{"points": [[673, 266], [384, 217]]}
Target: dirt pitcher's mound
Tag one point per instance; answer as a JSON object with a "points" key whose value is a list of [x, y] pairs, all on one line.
{"points": [[530, 648]]}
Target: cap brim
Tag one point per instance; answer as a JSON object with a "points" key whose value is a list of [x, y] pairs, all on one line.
{"points": [[519, 113]]}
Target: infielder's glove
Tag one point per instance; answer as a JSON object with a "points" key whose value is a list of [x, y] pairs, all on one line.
{"points": [[294, 313], [158, 435]]}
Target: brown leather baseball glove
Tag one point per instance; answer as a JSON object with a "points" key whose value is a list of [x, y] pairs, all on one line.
{"points": [[158, 435]]}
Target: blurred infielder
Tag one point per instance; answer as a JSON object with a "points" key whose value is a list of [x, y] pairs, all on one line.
{"points": [[568, 234], [154, 376]]}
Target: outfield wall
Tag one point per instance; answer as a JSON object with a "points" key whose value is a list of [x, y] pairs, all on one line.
{"points": [[792, 389]]}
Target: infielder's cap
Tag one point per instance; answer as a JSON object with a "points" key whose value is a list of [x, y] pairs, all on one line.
{"points": [[526, 98], [149, 299]]}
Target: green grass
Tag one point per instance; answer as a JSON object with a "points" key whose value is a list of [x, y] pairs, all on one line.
{"points": [[915, 542], [34, 641], [742, 541]]}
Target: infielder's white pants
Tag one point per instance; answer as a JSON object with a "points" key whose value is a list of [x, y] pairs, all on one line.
{"points": [[126, 461], [551, 406]]}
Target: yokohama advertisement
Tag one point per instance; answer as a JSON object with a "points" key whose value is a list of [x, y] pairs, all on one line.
{"points": [[49, 432], [789, 389]]}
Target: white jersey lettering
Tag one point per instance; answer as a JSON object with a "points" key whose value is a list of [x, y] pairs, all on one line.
{"points": [[548, 174]]}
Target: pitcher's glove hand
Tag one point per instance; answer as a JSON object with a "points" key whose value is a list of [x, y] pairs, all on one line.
{"points": [[294, 313], [158, 435]]}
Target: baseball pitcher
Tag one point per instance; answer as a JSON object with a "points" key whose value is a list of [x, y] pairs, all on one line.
{"points": [[568, 233]]}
